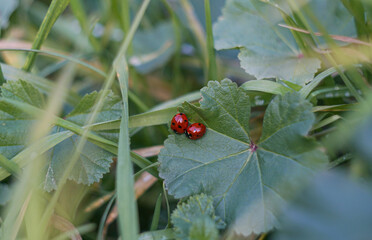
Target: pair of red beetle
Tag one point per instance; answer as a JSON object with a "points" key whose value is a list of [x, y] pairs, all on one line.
{"points": [[180, 125]]}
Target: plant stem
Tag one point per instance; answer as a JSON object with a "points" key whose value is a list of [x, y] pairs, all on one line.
{"points": [[212, 65]]}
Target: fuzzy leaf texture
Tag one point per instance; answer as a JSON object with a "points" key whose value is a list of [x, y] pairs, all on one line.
{"points": [[270, 51], [198, 209], [94, 161], [249, 183], [15, 125]]}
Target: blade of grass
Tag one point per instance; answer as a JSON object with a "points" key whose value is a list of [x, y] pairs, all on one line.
{"points": [[198, 32], [127, 207], [40, 147], [326, 122], [212, 64], [265, 86], [104, 217], [140, 120], [306, 90], [56, 8], [2, 79], [177, 26], [79, 12], [156, 215], [9, 166]]}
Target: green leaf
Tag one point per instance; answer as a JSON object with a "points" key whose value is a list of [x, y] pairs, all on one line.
{"points": [[149, 54], [94, 161], [270, 51], [198, 208], [203, 229], [7, 8], [55, 9], [14, 123], [333, 207], [265, 86], [243, 177], [92, 164]]}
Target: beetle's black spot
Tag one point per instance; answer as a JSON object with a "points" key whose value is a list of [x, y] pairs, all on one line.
{"points": [[199, 124], [181, 113], [179, 126], [185, 120], [173, 124]]}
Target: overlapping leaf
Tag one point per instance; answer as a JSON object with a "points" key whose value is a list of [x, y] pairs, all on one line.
{"points": [[15, 125], [270, 51], [243, 177], [94, 161]]}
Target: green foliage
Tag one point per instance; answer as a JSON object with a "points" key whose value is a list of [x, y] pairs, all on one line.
{"points": [[203, 229], [94, 161], [270, 51], [14, 123], [249, 182], [196, 219]]}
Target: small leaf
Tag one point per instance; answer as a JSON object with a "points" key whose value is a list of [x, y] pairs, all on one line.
{"points": [[197, 208], [14, 123], [270, 51], [203, 229], [243, 177]]}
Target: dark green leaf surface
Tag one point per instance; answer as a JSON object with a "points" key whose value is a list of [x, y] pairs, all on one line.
{"points": [[199, 209], [14, 124], [225, 164], [270, 51], [93, 162], [331, 208]]}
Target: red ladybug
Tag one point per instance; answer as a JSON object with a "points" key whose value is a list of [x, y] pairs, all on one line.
{"points": [[195, 131], [179, 123]]}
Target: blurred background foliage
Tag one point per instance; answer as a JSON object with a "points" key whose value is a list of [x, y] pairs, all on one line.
{"points": [[168, 59]]}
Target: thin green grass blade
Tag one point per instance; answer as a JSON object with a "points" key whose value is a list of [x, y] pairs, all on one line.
{"points": [[127, 207], [56, 8], [40, 147], [156, 215], [265, 86], [212, 64], [306, 90], [2, 79], [79, 12], [104, 217], [58, 55], [9, 166], [326, 122]]}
